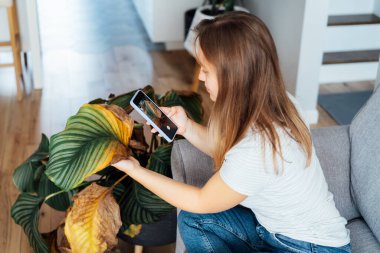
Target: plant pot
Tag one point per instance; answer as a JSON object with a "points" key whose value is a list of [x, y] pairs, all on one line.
{"points": [[156, 234], [198, 17], [189, 16]]}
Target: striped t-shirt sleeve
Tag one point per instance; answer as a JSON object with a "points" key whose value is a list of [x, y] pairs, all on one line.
{"points": [[243, 169]]}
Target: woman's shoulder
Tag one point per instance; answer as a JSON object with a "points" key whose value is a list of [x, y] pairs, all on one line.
{"points": [[255, 141], [252, 143], [247, 142]]}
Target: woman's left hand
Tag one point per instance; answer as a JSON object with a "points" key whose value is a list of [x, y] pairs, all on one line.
{"points": [[127, 165]]}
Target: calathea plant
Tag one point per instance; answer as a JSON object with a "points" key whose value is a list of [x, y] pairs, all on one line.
{"points": [[220, 6], [72, 173]]}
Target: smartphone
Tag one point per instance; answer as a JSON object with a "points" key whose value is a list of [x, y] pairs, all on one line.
{"points": [[152, 113]]}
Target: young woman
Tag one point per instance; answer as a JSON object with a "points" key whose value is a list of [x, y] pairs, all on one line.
{"points": [[268, 193]]}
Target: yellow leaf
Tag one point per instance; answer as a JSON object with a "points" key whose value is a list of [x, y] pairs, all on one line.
{"points": [[93, 221], [133, 230], [62, 243]]}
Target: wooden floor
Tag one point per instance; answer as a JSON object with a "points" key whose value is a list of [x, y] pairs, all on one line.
{"points": [[72, 79]]}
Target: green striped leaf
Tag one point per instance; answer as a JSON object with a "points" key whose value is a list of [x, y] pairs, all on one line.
{"points": [[25, 212], [23, 177], [98, 101], [60, 202], [229, 5], [42, 151], [95, 136], [139, 205], [124, 100], [27, 175], [159, 160], [190, 101]]}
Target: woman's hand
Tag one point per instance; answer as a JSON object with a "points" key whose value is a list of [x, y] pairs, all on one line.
{"points": [[127, 165], [178, 115]]}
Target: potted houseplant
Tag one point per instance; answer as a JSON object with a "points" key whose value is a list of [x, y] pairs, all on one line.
{"points": [[210, 10], [71, 172]]}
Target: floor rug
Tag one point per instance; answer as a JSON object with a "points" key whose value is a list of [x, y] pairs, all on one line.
{"points": [[343, 106]]}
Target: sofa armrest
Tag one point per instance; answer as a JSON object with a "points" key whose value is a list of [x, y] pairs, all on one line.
{"points": [[332, 145], [190, 165]]}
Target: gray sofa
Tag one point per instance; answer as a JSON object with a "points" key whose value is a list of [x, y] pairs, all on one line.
{"points": [[350, 158]]}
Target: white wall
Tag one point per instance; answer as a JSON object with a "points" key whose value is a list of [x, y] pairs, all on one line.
{"points": [[23, 25], [284, 20], [164, 19], [342, 7], [29, 33], [298, 28], [4, 31]]}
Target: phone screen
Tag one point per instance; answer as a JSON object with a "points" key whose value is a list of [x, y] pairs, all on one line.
{"points": [[151, 110]]}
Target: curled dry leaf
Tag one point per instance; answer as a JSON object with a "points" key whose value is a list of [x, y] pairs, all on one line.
{"points": [[120, 113], [62, 242], [138, 145], [93, 221]]}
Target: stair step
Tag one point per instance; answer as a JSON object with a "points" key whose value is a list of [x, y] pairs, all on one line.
{"points": [[351, 57], [358, 19]]}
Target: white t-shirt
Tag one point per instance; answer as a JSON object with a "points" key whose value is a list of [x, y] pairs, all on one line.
{"points": [[296, 201]]}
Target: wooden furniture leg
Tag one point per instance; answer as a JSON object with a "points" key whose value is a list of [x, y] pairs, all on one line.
{"points": [[138, 249], [14, 43], [16, 48]]}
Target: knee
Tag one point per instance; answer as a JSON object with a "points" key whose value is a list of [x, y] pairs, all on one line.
{"points": [[187, 221]]}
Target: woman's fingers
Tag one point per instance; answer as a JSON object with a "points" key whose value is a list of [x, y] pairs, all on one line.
{"points": [[169, 111], [165, 109], [152, 130], [171, 114], [155, 131]]}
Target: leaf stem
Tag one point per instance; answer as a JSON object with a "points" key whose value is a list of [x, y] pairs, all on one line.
{"points": [[151, 145], [62, 191], [53, 194], [118, 181]]}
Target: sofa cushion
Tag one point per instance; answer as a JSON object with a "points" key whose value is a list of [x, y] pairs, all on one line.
{"points": [[362, 239], [190, 165], [332, 146], [365, 161]]}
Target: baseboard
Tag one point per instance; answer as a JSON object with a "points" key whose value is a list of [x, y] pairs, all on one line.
{"points": [[174, 45]]}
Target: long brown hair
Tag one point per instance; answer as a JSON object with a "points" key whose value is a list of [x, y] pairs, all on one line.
{"points": [[251, 90]]}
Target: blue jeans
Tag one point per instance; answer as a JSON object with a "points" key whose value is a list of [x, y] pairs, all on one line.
{"points": [[237, 230]]}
